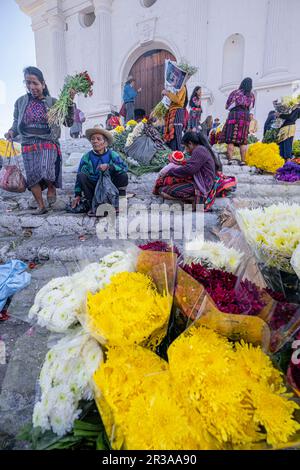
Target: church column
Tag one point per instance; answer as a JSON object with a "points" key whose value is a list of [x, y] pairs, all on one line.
{"points": [[56, 24], [276, 38], [103, 79], [197, 39]]}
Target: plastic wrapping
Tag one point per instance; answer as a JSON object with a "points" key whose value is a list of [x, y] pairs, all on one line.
{"points": [[13, 278], [273, 233], [134, 308]]}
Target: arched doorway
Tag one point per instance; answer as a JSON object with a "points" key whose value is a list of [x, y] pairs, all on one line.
{"points": [[148, 71]]}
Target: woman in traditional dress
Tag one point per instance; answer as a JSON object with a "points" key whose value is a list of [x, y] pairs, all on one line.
{"points": [[97, 160], [174, 119], [236, 129], [40, 141], [200, 180], [195, 109], [287, 133]]}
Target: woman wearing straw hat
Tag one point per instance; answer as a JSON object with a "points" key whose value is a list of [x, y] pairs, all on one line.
{"points": [[97, 160]]}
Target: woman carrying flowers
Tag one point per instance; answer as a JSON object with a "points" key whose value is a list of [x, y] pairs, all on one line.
{"points": [[99, 159], [236, 129], [40, 144], [195, 109], [174, 119], [287, 132]]}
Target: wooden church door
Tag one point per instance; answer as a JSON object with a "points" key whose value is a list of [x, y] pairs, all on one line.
{"points": [[148, 71]]}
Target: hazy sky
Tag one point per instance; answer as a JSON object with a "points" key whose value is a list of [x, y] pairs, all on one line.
{"points": [[17, 51]]}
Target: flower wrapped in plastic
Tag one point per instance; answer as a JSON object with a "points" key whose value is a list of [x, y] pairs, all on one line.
{"points": [[273, 233], [295, 261], [134, 308], [65, 379], [60, 303], [238, 394], [213, 255]]}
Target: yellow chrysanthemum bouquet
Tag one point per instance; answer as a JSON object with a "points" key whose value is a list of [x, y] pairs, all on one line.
{"points": [[134, 307], [212, 394], [266, 157]]}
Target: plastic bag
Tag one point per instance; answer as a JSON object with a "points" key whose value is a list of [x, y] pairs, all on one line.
{"points": [[13, 278], [142, 150], [105, 192], [12, 179]]}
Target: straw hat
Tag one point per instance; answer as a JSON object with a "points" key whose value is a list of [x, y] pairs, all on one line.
{"points": [[99, 130]]}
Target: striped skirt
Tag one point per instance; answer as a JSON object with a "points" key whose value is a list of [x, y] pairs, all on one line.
{"points": [[174, 128], [42, 163], [236, 128], [186, 191]]}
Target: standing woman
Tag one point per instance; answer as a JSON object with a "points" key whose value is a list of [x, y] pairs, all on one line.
{"points": [[287, 132], [174, 119], [236, 128], [195, 109], [129, 96], [207, 125], [40, 145]]}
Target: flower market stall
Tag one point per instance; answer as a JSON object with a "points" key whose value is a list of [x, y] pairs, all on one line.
{"points": [[141, 146], [180, 338]]}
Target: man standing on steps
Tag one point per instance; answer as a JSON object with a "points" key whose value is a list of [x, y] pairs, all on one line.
{"points": [[129, 95]]}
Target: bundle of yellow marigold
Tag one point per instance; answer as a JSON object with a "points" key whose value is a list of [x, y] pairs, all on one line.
{"points": [[265, 157], [128, 310]]}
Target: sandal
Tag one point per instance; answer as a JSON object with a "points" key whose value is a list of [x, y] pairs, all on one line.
{"points": [[40, 211], [4, 315], [51, 200], [91, 214], [242, 163]]}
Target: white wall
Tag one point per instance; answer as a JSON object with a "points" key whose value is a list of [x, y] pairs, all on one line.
{"points": [[173, 31]]}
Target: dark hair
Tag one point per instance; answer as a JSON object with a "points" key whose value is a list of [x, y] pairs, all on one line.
{"points": [[208, 119], [39, 75], [198, 138], [194, 94], [246, 85], [130, 81], [186, 97], [139, 113], [116, 114]]}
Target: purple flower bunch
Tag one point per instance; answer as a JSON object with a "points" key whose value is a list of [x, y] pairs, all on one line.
{"points": [[290, 172]]}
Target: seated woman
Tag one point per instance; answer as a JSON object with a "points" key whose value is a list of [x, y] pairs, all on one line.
{"points": [[100, 158], [200, 180]]}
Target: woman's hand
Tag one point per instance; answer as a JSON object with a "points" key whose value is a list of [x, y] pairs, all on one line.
{"points": [[9, 135], [72, 93], [139, 90], [104, 167], [164, 92], [75, 202]]}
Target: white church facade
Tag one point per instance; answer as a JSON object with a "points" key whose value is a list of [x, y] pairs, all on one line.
{"points": [[227, 39]]}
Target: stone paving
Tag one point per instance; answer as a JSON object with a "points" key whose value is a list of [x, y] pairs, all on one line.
{"points": [[59, 243]]}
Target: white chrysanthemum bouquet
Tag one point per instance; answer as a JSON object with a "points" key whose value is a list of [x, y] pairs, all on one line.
{"points": [[213, 255], [59, 304], [65, 379]]}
